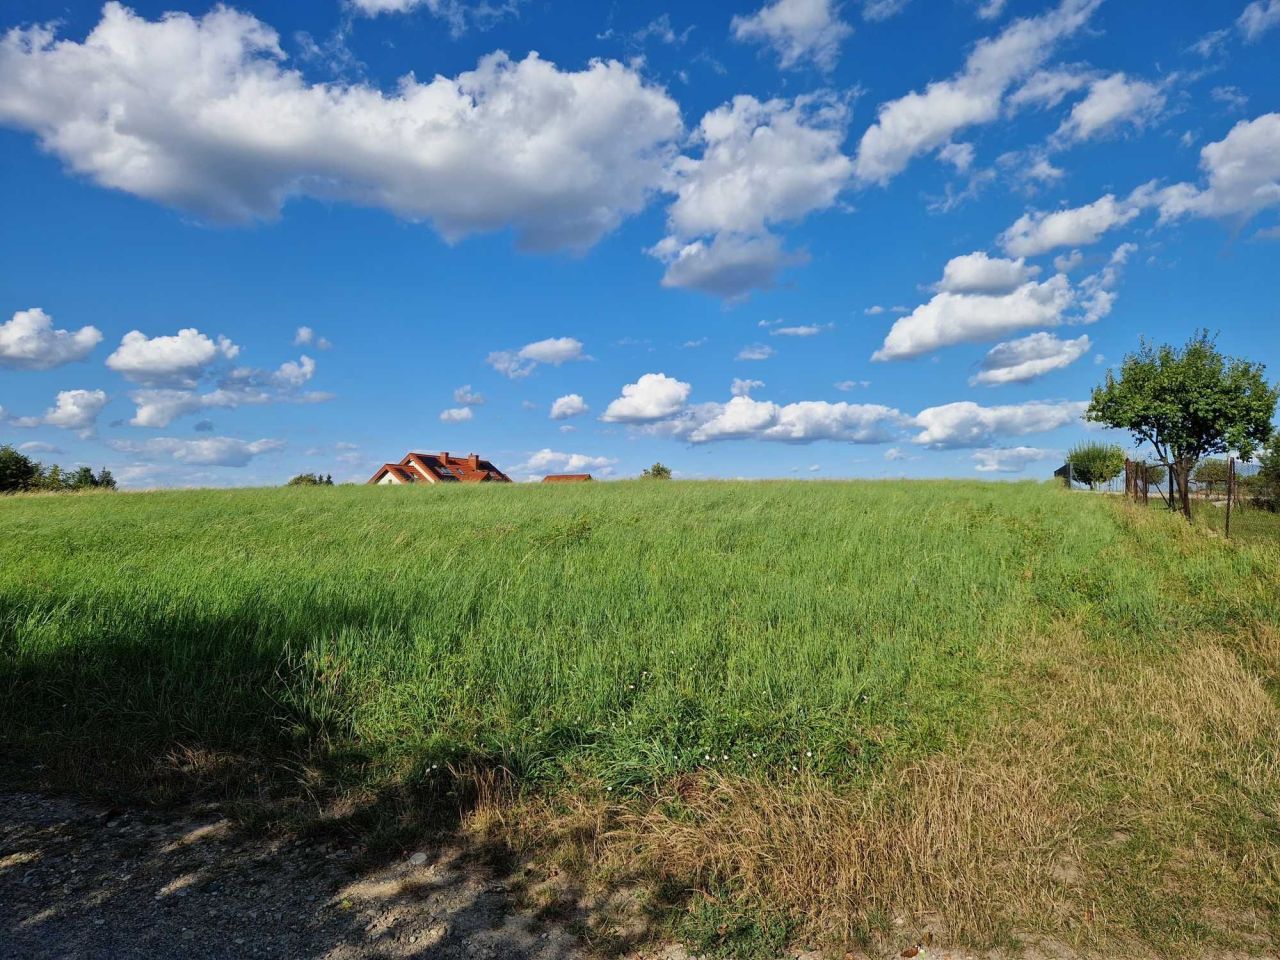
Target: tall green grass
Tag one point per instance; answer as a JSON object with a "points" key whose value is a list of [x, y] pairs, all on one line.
{"points": [[1100, 675], [624, 631]]}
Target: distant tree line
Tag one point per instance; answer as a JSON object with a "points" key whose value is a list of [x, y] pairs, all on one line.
{"points": [[19, 474]]}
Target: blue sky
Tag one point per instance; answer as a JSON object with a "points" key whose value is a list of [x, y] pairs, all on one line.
{"points": [[879, 238]]}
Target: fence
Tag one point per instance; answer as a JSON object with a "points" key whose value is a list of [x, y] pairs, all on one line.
{"points": [[1217, 499]]}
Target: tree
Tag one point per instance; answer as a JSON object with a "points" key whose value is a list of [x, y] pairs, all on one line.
{"points": [[1212, 473], [658, 471], [17, 471], [1188, 404], [311, 480], [1096, 463], [1267, 479]]}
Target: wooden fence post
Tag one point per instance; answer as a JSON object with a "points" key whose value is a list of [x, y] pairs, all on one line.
{"points": [[1231, 490]]}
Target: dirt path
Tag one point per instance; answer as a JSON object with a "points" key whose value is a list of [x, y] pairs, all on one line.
{"points": [[77, 881], [82, 882]]}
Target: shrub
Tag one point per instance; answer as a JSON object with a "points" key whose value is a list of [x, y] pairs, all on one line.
{"points": [[1095, 463], [659, 471], [310, 480]]}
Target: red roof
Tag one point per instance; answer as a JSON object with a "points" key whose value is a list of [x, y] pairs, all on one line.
{"points": [[442, 468], [566, 478]]}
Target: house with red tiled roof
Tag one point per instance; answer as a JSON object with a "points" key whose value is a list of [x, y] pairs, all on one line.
{"points": [[566, 478], [438, 468]]}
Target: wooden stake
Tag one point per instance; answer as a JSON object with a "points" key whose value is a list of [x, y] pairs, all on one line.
{"points": [[1231, 490]]}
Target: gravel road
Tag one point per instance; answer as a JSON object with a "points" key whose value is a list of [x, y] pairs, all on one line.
{"points": [[84, 882]]}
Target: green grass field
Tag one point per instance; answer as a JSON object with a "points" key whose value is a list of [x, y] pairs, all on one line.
{"points": [[1003, 710]]}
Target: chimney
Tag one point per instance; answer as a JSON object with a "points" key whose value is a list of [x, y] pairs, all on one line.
{"points": [[473, 461], [444, 458]]}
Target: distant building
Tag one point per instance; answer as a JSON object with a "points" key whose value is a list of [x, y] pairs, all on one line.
{"points": [[438, 468], [567, 478]]}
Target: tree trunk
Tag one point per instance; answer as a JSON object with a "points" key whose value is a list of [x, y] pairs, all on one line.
{"points": [[1183, 475]]}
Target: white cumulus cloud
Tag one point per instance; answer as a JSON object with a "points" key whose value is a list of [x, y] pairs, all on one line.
{"points": [[655, 396], [807, 421], [570, 405], [920, 123], [547, 461], [950, 318], [179, 359], [1243, 171], [797, 30], [456, 415], [967, 424], [204, 114], [1017, 361], [979, 273], [1036, 232], [1111, 102], [521, 362], [761, 164], [29, 341], [468, 397], [72, 410]]}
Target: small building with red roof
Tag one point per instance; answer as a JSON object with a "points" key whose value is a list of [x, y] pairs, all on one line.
{"points": [[438, 468]]}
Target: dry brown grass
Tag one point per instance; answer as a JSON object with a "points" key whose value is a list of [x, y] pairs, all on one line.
{"points": [[1130, 807]]}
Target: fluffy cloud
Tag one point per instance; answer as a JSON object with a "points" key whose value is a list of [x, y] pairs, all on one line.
{"points": [[38, 446], [762, 164], [1035, 233], [521, 363], [180, 359], [72, 410], [966, 424], [242, 386], [1259, 17], [804, 422], [1243, 170], [570, 405], [655, 396], [547, 461], [1017, 361], [205, 452], [29, 342], [951, 318], [978, 273], [755, 351], [456, 415], [201, 113], [468, 397], [1048, 88], [305, 336], [1010, 459], [1110, 102], [728, 266], [743, 388], [797, 30], [922, 122]]}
